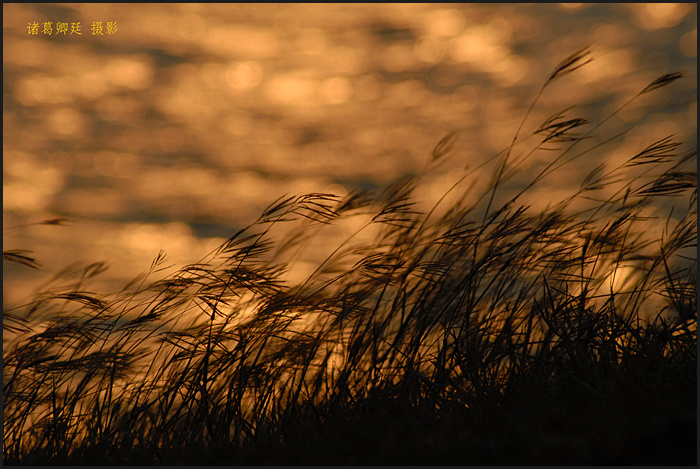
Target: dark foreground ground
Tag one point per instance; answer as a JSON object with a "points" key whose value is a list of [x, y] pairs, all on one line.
{"points": [[633, 420], [633, 425]]}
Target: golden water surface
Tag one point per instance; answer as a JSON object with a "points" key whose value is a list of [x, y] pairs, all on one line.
{"points": [[170, 126]]}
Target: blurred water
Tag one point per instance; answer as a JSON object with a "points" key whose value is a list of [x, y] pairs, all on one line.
{"points": [[184, 124]]}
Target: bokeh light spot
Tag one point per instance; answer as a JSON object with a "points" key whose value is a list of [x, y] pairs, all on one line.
{"points": [[429, 48], [444, 23], [66, 122], [244, 76], [336, 90]]}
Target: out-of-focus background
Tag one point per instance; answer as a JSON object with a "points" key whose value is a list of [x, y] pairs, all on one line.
{"points": [[180, 126]]}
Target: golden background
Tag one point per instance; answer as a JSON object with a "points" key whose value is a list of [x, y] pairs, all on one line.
{"points": [[182, 126]]}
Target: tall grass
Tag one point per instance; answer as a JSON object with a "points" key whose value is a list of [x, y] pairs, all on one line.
{"points": [[480, 309]]}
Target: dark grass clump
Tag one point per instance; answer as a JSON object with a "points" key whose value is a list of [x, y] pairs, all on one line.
{"points": [[479, 332]]}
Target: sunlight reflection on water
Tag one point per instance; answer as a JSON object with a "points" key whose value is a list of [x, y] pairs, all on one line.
{"points": [[201, 115]]}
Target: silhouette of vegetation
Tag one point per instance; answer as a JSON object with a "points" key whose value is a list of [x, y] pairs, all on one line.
{"points": [[480, 332]]}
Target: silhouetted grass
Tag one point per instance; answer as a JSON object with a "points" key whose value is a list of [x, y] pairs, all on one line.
{"points": [[480, 332]]}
